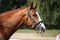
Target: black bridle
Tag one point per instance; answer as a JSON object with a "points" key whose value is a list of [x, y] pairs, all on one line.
{"points": [[36, 25]]}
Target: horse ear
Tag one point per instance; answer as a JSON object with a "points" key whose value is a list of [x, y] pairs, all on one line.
{"points": [[35, 6], [31, 5]]}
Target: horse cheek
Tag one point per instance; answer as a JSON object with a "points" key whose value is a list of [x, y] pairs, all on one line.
{"points": [[29, 22]]}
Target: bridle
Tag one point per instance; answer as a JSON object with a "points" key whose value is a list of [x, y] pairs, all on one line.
{"points": [[28, 15], [36, 25]]}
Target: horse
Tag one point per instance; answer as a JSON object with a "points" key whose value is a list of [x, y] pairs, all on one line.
{"points": [[12, 20]]}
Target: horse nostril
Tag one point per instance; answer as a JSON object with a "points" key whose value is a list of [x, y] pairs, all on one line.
{"points": [[43, 29]]}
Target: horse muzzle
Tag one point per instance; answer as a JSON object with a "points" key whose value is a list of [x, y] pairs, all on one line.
{"points": [[40, 28]]}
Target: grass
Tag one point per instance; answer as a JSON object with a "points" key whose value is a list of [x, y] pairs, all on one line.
{"points": [[26, 31], [48, 33], [51, 33]]}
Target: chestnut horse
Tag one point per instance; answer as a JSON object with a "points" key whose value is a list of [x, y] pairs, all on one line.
{"points": [[12, 20]]}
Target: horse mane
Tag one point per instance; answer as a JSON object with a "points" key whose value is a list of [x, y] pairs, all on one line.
{"points": [[9, 14], [11, 11]]}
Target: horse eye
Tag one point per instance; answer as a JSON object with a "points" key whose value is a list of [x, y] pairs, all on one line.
{"points": [[34, 15]]}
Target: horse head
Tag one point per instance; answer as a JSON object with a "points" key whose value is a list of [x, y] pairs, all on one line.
{"points": [[33, 19]]}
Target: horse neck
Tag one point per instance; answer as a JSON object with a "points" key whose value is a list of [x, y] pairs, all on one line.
{"points": [[14, 22]]}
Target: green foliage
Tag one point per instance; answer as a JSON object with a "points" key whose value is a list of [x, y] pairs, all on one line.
{"points": [[11, 4]]}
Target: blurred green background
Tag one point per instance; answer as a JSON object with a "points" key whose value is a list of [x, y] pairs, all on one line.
{"points": [[49, 10]]}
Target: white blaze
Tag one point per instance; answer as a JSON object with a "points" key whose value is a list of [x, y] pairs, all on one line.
{"points": [[39, 18]]}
